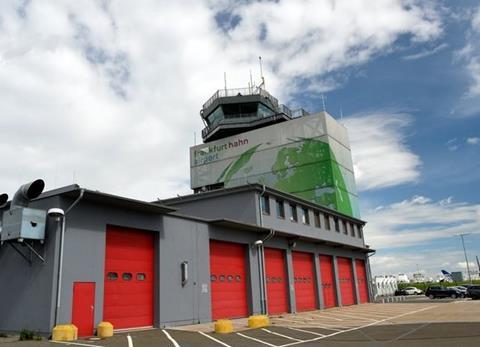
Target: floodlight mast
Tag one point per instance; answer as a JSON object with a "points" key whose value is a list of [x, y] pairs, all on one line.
{"points": [[466, 259]]}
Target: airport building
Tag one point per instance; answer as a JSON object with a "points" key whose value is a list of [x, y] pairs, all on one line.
{"points": [[272, 227]]}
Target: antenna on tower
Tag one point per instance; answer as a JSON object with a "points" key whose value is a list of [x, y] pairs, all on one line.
{"points": [[341, 113], [225, 81], [323, 103], [261, 73], [251, 79]]}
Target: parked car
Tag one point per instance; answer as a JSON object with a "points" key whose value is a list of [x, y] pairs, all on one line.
{"points": [[442, 292], [400, 292], [413, 291], [474, 292], [461, 289]]}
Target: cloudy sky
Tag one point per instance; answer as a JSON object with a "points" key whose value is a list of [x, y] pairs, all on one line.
{"points": [[107, 94]]}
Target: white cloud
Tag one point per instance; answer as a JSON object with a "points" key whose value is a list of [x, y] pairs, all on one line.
{"points": [[426, 53], [473, 140], [428, 262], [469, 57], [109, 92], [380, 155], [419, 220], [452, 144]]}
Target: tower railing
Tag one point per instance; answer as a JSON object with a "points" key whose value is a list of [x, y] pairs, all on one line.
{"points": [[222, 93]]}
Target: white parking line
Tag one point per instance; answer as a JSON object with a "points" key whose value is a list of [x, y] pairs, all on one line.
{"points": [[306, 331], [171, 338], [409, 332], [257, 340], [356, 328], [129, 340], [373, 313], [320, 315], [376, 310], [323, 326], [214, 339], [459, 302], [75, 343], [346, 315], [281, 335]]}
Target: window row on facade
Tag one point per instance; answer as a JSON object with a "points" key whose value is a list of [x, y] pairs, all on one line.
{"points": [[321, 219]]}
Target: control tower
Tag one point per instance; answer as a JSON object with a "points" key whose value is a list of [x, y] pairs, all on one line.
{"points": [[233, 111], [250, 138]]}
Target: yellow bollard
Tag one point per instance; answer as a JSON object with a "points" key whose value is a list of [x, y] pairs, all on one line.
{"points": [[223, 326], [65, 332], [104, 330], [258, 321]]}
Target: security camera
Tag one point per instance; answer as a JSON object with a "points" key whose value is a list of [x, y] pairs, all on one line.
{"points": [[56, 212]]}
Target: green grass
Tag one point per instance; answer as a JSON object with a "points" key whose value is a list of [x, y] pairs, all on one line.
{"points": [[28, 335]]}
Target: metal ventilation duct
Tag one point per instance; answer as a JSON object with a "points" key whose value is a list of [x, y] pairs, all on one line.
{"points": [[3, 200], [26, 193]]}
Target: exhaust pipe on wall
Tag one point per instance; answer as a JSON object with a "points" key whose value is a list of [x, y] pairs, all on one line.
{"points": [[26, 193]]}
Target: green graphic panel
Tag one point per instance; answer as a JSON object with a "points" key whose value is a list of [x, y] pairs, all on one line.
{"points": [[309, 157], [307, 169]]}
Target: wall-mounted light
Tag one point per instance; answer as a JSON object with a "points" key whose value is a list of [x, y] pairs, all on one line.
{"points": [[184, 267]]}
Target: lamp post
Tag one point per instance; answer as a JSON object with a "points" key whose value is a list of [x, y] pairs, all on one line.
{"points": [[466, 259]]}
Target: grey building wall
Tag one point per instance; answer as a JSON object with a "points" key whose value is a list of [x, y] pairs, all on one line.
{"points": [[308, 230], [238, 206], [177, 240], [184, 240], [27, 291], [84, 252]]}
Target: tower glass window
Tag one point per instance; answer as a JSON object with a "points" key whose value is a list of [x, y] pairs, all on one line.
{"points": [[293, 213], [265, 202], [215, 118], [280, 208], [305, 216], [264, 112], [316, 219]]}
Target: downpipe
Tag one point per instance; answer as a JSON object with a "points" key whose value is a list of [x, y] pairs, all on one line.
{"points": [[262, 272], [62, 245], [261, 259], [371, 287]]}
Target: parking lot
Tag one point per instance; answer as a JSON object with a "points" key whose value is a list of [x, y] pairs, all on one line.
{"points": [[416, 322]]}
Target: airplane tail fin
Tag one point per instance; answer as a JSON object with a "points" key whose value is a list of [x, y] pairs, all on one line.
{"points": [[447, 275]]}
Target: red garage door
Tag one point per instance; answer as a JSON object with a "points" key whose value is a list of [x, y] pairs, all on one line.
{"points": [[128, 293], [346, 280], [362, 280], [328, 281], [228, 280], [276, 275], [304, 277]]}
